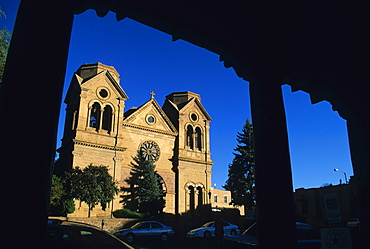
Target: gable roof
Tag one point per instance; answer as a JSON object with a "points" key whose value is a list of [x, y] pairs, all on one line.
{"points": [[196, 101], [134, 116], [111, 82], [183, 100]]}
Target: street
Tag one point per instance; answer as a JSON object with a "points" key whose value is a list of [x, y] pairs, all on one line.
{"points": [[193, 243]]}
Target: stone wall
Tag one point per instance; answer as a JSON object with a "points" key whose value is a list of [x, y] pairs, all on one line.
{"points": [[110, 224]]}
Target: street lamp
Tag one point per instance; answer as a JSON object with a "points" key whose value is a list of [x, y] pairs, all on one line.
{"points": [[345, 175]]}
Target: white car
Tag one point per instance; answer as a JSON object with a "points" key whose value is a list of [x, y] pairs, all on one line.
{"points": [[353, 222], [208, 230]]}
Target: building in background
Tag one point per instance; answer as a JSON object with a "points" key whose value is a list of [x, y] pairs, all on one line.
{"points": [[330, 206], [220, 201]]}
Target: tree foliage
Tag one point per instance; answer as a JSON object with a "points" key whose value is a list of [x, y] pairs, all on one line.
{"points": [[241, 173], [5, 36], [92, 185], [61, 203], [144, 192], [57, 190]]}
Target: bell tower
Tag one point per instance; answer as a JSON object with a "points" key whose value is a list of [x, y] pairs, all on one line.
{"points": [[192, 158], [95, 106]]}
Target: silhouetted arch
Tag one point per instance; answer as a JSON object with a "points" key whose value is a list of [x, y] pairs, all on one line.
{"points": [[200, 196], [198, 138], [191, 198], [94, 118], [189, 137], [162, 183], [107, 119]]}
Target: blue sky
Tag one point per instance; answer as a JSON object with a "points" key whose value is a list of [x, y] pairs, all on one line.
{"points": [[148, 60]]}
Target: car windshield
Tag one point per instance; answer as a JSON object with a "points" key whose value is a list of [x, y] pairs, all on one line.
{"points": [[208, 224], [136, 225], [252, 230]]}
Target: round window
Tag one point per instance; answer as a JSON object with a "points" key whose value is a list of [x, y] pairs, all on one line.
{"points": [[150, 119], [150, 150], [194, 117], [103, 93]]}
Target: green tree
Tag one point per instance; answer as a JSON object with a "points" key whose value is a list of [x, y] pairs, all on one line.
{"points": [[5, 36], [61, 203], [144, 191], [57, 191], [92, 185], [241, 173]]}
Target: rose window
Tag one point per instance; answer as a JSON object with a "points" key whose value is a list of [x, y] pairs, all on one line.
{"points": [[150, 150]]}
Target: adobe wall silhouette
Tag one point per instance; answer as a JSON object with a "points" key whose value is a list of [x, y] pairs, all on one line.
{"points": [[317, 47]]}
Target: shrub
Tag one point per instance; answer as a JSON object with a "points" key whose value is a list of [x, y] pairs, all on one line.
{"points": [[127, 213]]}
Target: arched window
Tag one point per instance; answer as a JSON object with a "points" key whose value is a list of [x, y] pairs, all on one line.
{"points": [[107, 119], [200, 197], [74, 120], [189, 137], [94, 120], [162, 184], [191, 198], [198, 138]]}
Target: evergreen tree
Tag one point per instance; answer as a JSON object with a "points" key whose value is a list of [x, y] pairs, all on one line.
{"points": [[145, 192], [5, 36], [241, 181]]}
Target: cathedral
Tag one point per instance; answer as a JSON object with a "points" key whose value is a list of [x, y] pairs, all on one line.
{"points": [[99, 131]]}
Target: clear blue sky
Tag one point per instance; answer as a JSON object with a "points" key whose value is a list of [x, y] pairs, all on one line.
{"points": [[148, 60]]}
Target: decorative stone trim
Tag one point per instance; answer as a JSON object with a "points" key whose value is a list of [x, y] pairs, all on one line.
{"points": [[151, 130], [107, 147], [77, 153], [195, 161], [195, 185], [150, 150], [103, 93], [118, 159]]}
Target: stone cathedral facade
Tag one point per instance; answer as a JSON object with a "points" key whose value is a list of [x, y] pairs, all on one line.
{"points": [[99, 131]]}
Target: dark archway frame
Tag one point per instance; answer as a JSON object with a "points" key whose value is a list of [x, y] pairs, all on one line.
{"points": [[313, 46]]}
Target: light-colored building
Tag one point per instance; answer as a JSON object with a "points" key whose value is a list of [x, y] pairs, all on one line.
{"points": [[220, 200], [99, 131]]}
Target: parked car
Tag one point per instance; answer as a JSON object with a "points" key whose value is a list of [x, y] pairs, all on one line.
{"points": [[208, 230], [74, 235], [307, 238], [146, 230]]}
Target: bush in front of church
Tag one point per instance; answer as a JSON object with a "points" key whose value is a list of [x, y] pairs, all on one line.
{"points": [[127, 213]]}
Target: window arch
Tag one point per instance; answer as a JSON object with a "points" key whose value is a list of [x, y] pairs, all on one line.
{"points": [[198, 138], [74, 119], [200, 197], [194, 138], [94, 119], [191, 198], [162, 183], [189, 137], [195, 196], [107, 118]]}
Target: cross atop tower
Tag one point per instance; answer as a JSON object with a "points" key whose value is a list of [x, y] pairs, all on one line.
{"points": [[152, 93]]}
